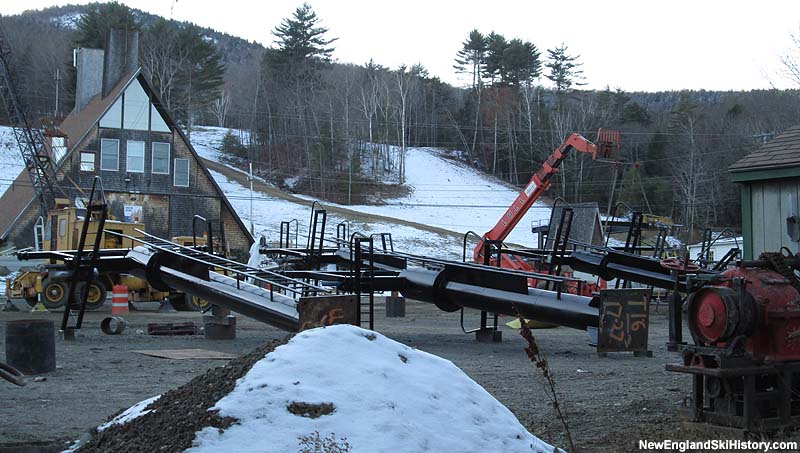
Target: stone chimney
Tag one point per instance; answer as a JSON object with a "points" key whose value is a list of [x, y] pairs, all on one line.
{"points": [[89, 65], [121, 57]]}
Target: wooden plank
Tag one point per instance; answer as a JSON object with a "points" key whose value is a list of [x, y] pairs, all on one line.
{"points": [[320, 311], [624, 320], [788, 202], [185, 354], [757, 218], [772, 217]]}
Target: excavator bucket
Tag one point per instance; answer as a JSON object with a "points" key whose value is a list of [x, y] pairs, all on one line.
{"points": [[608, 143]]}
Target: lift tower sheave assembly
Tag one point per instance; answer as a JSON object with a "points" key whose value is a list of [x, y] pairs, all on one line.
{"points": [[608, 141], [30, 140]]}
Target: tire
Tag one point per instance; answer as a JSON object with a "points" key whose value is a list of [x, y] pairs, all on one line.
{"points": [[96, 295], [195, 303], [54, 293], [188, 302], [32, 301]]}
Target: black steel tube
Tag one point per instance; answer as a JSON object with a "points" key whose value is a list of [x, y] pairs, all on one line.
{"points": [[155, 269], [625, 266], [236, 300], [567, 310]]}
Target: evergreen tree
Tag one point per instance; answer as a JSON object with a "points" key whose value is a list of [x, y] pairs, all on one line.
{"points": [[471, 58], [300, 38], [564, 68], [99, 20], [520, 63], [496, 47]]}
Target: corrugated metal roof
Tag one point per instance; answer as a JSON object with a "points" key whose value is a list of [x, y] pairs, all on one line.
{"points": [[781, 152]]}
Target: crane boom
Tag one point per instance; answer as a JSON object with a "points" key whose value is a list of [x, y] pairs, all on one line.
{"points": [[30, 140], [607, 141]]}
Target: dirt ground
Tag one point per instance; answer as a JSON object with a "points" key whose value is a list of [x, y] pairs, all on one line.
{"points": [[611, 402]]}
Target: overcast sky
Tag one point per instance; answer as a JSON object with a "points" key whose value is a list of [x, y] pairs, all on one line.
{"points": [[632, 45]]}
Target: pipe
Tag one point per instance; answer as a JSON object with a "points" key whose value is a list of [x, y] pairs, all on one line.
{"points": [[250, 304], [577, 312], [264, 305]]}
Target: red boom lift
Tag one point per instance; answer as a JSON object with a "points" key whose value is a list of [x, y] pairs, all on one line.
{"points": [[608, 141]]}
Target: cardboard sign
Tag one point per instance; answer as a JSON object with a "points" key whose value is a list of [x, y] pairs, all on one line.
{"points": [[328, 310], [624, 320]]}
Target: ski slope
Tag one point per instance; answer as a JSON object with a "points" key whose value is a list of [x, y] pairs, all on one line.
{"points": [[450, 195], [444, 193], [269, 212]]}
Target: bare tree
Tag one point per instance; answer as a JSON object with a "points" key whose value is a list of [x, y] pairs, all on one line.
{"points": [[220, 107], [404, 79], [369, 106], [791, 61]]}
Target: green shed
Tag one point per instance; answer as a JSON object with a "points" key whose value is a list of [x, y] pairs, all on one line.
{"points": [[770, 179]]}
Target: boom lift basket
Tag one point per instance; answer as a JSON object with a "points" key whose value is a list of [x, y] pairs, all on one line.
{"points": [[608, 143]]}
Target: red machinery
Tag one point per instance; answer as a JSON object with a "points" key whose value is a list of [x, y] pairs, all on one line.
{"points": [[607, 142], [746, 358]]}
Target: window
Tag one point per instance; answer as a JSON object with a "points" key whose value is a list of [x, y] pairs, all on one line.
{"points": [[113, 117], [59, 148], [136, 105], [182, 172], [87, 161], [135, 159], [157, 122], [161, 158], [109, 154]]}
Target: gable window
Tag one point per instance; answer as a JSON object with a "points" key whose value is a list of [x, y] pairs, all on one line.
{"points": [[136, 108], [59, 148], [161, 158], [87, 161], [113, 116], [135, 157], [182, 172], [109, 154], [157, 122]]}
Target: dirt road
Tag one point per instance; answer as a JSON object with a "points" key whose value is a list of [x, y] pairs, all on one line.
{"points": [[610, 402]]}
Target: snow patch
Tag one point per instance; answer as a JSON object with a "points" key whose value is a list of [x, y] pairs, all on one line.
{"points": [[10, 159], [387, 398], [133, 412]]}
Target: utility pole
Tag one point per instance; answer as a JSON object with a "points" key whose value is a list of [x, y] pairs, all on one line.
{"points": [[56, 111], [250, 178]]}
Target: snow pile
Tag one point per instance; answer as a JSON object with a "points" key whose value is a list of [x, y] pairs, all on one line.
{"points": [[385, 396]]}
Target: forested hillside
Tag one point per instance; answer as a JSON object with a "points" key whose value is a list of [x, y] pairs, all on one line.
{"points": [[328, 126]]}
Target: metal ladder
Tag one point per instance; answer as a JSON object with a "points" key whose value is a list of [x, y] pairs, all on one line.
{"points": [[84, 263], [364, 278]]}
